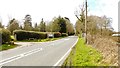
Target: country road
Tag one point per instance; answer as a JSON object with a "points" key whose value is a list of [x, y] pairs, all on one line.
{"points": [[51, 53]]}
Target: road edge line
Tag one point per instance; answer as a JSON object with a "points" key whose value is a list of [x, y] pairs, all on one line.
{"points": [[65, 53]]}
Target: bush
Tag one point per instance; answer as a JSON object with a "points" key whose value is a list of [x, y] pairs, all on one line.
{"points": [[5, 35], [64, 34], [26, 35], [57, 34]]}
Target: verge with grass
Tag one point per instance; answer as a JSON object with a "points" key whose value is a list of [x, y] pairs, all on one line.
{"points": [[7, 46], [41, 40], [83, 55]]}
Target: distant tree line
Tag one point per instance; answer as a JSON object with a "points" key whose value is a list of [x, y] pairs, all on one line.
{"points": [[57, 24], [60, 24]]}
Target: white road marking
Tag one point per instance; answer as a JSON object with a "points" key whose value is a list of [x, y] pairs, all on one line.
{"points": [[56, 64], [20, 56], [66, 39]]}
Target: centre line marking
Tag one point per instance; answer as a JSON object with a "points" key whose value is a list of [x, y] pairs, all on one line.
{"points": [[20, 56]]}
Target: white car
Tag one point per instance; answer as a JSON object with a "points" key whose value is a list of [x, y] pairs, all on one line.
{"points": [[50, 35]]}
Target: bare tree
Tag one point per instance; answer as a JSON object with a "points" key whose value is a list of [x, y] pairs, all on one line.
{"points": [[80, 14]]}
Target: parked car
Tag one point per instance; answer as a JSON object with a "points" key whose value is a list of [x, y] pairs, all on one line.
{"points": [[50, 35]]}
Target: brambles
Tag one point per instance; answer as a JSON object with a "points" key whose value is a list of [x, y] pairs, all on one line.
{"points": [[109, 50]]}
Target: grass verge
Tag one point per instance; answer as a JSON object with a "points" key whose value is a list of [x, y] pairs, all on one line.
{"points": [[83, 55], [41, 40], [7, 46]]}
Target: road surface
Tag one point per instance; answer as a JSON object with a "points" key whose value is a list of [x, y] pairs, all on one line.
{"points": [[39, 54]]}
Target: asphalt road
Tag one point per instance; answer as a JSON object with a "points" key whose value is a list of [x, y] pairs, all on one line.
{"points": [[39, 54]]}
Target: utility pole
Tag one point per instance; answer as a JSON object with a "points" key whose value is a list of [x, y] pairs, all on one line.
{"points": [[86, 21]]}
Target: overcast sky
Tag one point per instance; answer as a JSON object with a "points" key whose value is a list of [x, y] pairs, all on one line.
{"points": [[48, 9]]}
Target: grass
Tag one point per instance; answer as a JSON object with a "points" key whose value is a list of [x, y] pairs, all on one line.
{"points": [[41, 40], [83, 55], [7, 46]]}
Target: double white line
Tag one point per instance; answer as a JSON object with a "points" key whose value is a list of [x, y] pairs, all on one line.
{"points": [[19, 56]]}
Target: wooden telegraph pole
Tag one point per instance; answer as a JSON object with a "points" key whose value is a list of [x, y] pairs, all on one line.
{"points": [[86, 21]]}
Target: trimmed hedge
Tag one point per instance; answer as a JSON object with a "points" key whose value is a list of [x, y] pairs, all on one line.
{"points": [[5, 35], [64, 34], [57, 34], [26, 35]]}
